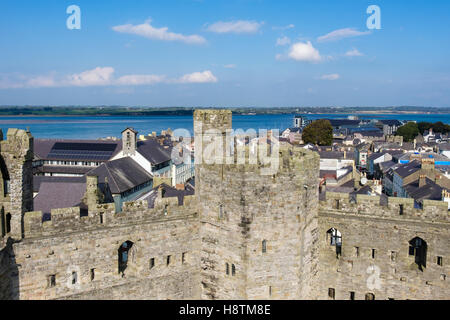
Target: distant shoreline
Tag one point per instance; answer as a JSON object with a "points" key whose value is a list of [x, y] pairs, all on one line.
{"points": [[64, 112]]}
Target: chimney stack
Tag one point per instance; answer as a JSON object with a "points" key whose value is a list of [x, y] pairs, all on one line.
{"points": [[422, 180]]}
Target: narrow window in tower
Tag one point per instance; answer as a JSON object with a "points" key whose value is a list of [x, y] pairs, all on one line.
{"points": [[74, 277], [352, 295], [101, 217], [168, 260], [92, 274], [264, 246], [373, 253], [233, 270], [52, 280], [331, 293], [337, 204], [220, 211], [2, 222], [183, 257], [8, 223], [152, 263], [393, 256], [439, 261], [356, 251], [401, 209], [227, 268]]}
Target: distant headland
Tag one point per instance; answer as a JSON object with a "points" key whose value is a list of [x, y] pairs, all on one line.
{"points": [[183, 111]]}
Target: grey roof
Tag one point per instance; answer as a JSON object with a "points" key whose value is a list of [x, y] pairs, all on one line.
{"points": [[38, 180], [444, 146], [343, 122], [425, 155], [384, 166], [370, 133], [81, 150], [431, 191], [123, 174], [62, 169], [407, 169], [153, 151], [168, 192], [391, 122], [335, 155], [377, 155], [58, 195]]}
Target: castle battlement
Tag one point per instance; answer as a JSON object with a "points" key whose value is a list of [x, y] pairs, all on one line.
{"points": [[69, 220], [396, 208]]}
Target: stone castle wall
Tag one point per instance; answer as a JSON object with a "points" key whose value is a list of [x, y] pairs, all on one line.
{"points": [[365, 225], [69, 244]]}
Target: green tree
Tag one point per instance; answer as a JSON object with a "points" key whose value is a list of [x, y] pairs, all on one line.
{"points": [[424, 126], [409, 131], [318, 132]]}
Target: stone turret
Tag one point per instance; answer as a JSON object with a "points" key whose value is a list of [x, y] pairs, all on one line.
{"points": [[243, 211], [16, 196], [93, 196], [129, 142]]}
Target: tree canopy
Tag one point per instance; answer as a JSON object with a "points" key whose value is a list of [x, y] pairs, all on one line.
{"points": [[438, 127], [409, 131], [318, 132]]}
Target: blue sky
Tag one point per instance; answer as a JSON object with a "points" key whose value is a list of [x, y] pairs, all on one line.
{"points": [[225, 53]]}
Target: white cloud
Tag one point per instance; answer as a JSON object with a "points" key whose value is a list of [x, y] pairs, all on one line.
{"points": [[333, 76], [100, 76], [230, 66], [304, 52], [198, 77], [95, 77], [240, 26], [283, 41], [289, 26], [139, 79], [148, 31], [353, 53], [341, 34]]}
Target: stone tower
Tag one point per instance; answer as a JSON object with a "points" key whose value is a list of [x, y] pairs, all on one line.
{"points": [[129, 142], [16, 185], [258, 232]]}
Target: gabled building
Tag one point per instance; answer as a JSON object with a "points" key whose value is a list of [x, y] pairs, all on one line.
{"points": [[126, 179], [71, 158]]}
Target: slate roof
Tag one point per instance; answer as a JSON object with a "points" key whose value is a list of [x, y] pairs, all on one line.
{"points": [[408, 169], [38, 180], [377, 155], [81, 150], [384, 166], [431, 191], [153, 151], [123, 174], [391, 122], [58, 195], [168, 192], [62, 169], [343, 122]]}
